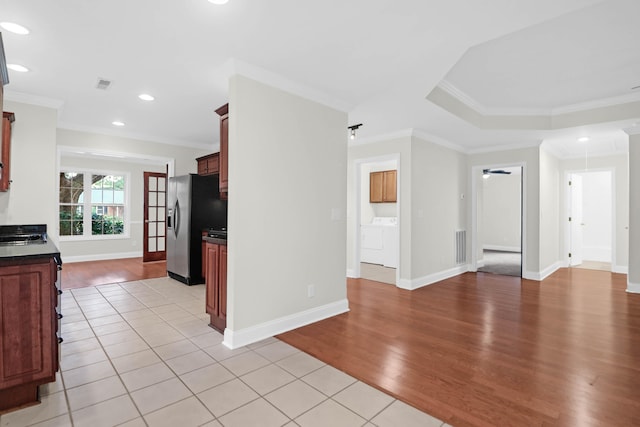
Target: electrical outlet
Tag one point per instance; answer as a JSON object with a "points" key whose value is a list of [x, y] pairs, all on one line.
{"points": [[311, 291]]}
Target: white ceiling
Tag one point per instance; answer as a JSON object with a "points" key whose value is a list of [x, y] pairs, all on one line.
{"points": [[375, 59]]}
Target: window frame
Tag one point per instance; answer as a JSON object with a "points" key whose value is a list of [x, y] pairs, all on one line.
{"points": [[88, 204]]}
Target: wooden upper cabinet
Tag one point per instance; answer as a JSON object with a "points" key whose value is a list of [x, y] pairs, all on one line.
{"points": [[209, 164], [5, 151], [223, 112], [382, 187]]}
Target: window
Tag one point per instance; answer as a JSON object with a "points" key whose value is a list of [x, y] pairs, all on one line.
{"points": [[92, 204]]}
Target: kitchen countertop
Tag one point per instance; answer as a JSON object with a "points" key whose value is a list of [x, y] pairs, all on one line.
{"points": [[214, 240], [33, 250]]}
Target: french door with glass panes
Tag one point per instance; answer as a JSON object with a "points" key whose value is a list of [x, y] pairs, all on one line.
{"points": [[155, 226]]}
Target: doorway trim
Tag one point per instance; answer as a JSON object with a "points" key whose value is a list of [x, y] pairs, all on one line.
{"points": [[476, 172], [357, 192], [567, 210]]}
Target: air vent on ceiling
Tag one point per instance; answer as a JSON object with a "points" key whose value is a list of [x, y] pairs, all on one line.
{"points": [[103, 84]]}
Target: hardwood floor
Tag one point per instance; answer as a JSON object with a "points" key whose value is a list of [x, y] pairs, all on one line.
{"points": [[487, 350], [93, 273]]}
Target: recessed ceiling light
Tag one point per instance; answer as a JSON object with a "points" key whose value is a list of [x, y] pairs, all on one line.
{"points": [[218, 1], [117, 123], [14, 28], [17, 67], [146, 97], [583, 139]]}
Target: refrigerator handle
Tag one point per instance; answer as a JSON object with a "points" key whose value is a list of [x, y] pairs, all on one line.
{"points": [[176, 218]]}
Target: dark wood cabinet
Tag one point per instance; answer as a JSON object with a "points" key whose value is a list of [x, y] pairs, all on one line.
{"points": [[223, 112], [209, 164], [382, 187], [28, 330], [216, 284], [5, 151]]}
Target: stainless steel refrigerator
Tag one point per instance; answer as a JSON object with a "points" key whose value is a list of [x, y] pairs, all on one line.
{"points": [[194, 206]]}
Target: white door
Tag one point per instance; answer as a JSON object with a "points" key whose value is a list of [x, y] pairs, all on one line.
{"points": [[575, 223]]}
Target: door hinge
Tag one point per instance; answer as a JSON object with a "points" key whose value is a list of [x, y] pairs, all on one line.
{"points": [[569, 254]]}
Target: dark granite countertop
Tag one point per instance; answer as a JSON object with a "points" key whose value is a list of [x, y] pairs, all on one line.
{"points": [[214, 240], [34, 250]]}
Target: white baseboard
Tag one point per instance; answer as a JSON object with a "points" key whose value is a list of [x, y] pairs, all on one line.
{"points": [[501, 248], [351, 273], [242, 337], [622, 269], [541, 275], [411, 284], [101, 257], [480, 263], [633, 288]]}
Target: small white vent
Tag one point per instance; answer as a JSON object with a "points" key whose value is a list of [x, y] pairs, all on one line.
{"points": [[461, 246], [103, 84]]}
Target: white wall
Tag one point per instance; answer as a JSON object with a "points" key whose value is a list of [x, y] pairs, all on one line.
{"points": [[184, 157], [32, 195], [619, 165], [131, 246], [550, 237], [439, 207], [287, 203], [501, 212]]}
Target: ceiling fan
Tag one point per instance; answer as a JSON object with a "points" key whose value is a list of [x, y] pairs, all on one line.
{"points": [[486, 173], [495, 171]]}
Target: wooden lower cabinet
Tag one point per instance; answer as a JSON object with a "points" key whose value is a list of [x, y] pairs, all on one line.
{"points": [[216, 284], [28, 331]]}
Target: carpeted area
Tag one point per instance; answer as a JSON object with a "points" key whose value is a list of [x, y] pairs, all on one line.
{"points": [[501, 262]]}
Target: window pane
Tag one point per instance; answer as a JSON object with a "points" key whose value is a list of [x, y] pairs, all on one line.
{"points": [[161, 227], [96, 196], [107, 196], [118, 182], [97, 181], [161, 184], [152, 214], [152, 245], [161, 198], [151, 228], [153, 183], [161, 213], [65, 195], [118, 197], [153, 199], [161, 244]]}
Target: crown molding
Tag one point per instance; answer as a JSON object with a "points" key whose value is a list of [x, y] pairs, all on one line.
{"points": [[408, 133], [138, 136], [472, 103], [237, 67], [438, 140], [26, 98], [634, 130], [506, 147]]}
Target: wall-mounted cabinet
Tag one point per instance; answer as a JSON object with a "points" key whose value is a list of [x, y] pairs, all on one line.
{"points": [[209, 164], [5, 151], [223, 112], [382, 187]]}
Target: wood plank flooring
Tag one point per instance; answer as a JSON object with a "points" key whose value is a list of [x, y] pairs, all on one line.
{"points": [[488, 350], [93, 273]]}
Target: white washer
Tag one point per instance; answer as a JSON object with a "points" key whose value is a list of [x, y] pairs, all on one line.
{"points": [[378, 241]]}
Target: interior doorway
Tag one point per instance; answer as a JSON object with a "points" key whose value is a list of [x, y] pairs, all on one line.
{"points": [[377, 222], [499, 221], [590, 219]]}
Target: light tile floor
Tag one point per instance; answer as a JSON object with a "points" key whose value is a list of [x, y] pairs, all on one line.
{"points": [[141, 354]]}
